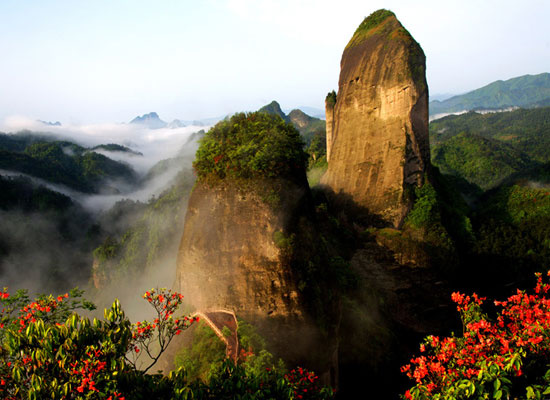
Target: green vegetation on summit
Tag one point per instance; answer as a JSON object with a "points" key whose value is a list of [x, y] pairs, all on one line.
{"points": [[250, 145], [367, 27], [525, 91]]}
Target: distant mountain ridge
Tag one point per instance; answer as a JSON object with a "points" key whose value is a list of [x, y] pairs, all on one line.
{"points": [[49, 123], [274, 108], [151, 120], [307, 125], [527, 91]]}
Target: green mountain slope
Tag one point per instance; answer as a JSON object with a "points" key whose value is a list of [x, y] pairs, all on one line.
{"points": [[61, 162], [527, 130], [275, 109], [481, 161], [19, 193], [524, 91], [513, 231]]}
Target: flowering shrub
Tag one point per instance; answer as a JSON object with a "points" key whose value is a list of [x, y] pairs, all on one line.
{"points": [[506, 357], [152, 338], [49, 351], [233, 382], [304, 385]]}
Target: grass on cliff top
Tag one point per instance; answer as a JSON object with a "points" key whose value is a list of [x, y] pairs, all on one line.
{"points": [[369, 23], [251, 145]]}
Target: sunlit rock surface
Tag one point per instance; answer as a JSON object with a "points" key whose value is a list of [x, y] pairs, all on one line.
{"points": [[377, 127]]}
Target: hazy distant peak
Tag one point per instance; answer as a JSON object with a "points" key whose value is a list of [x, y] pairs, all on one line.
{"points": [[299, 118], [49, 123], [176, 124], [151, 120]]}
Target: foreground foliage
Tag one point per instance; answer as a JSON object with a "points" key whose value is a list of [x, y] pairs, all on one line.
{"points": [[49, 351], [504, 357]]}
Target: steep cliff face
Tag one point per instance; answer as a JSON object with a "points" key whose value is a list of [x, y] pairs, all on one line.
{"points": [[377, 142], [249, 243], [234, 250]]}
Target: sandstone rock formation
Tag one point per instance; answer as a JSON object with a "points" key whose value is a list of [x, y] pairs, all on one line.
{"points": [[377, 126], [232, 252], [249, 242], [236, 254]]}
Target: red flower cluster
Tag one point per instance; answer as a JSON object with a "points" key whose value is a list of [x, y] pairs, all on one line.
{"points": [[162, 329], [488, 351], [38, 309], [303, 382]]}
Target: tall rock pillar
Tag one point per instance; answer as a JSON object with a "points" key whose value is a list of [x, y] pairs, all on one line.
{"points": [[377, 144], [330, 102]]}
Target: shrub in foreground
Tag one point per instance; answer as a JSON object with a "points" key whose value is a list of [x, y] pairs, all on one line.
{"points": [[503, 357], [47, 350]]}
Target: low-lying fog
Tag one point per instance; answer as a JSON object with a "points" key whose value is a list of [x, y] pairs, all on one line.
{"points": [[46, 252], [154, 145]]}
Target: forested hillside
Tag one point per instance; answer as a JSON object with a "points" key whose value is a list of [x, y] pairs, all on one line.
{"points": [[527, 91], [63, 162], [486, 149], [499, 162]]}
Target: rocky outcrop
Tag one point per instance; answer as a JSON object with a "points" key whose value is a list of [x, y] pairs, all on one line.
{"points": [[239, 253], [250, 243], [377, 129], [233, 251]]}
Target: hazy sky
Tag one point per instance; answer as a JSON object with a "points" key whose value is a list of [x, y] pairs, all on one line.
{"points": [[110, 60]]}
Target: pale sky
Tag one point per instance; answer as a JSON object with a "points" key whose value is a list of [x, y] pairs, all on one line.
{"points": [[96, 61]]}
